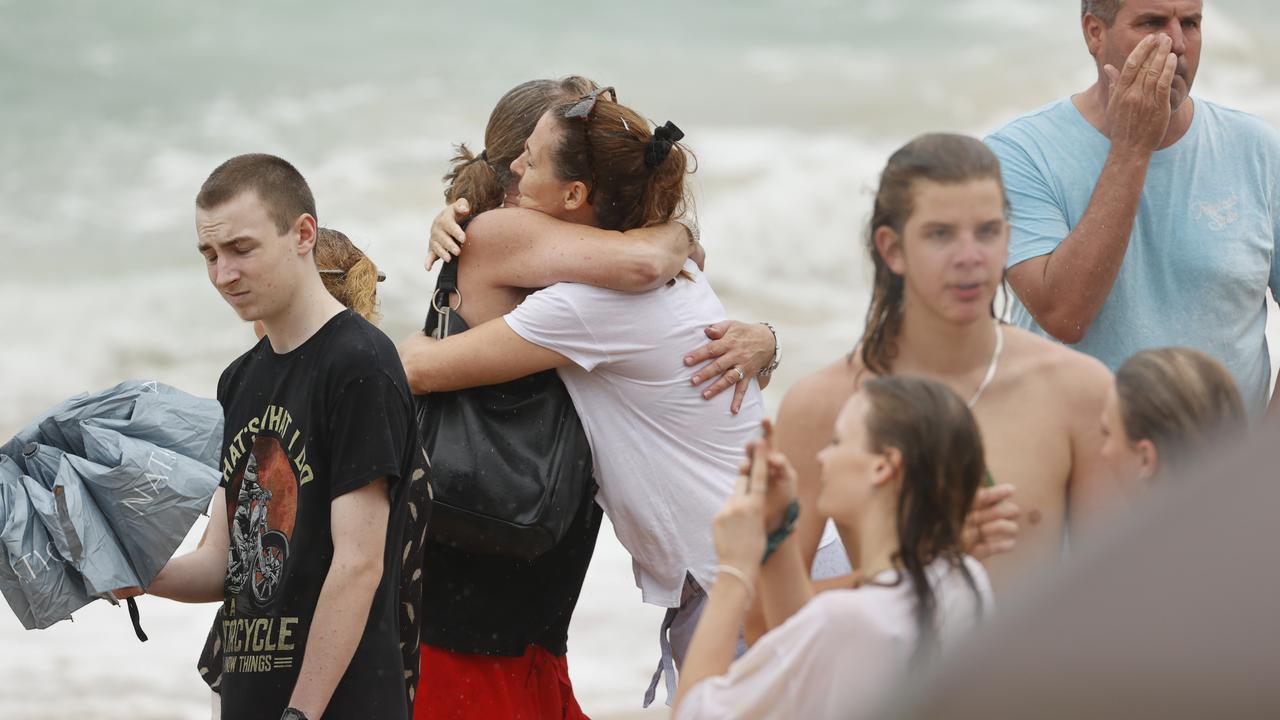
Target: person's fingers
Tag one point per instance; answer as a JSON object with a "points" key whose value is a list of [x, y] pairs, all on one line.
{"points": [[438, 253], [713, 351], [443, 246], [1134, 62], [724, 382], [1001, 511], [461, 208], [455, 232], [766, 429], [1154, 65], [740, 486], [759, 470], [1112, 74], [739, 394], [780, 470], [990, 496], [1164, 86], [777, 461], [718, 330], [449, 244], [984, 550], [994, 494], [999, 529], [744, 466]]}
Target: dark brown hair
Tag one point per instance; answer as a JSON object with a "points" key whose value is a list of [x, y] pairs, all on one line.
{"points": [[357, 285], [483, 179], [1180, 399], [942, 467], [279, 186], [628, 193], [940, 158]]}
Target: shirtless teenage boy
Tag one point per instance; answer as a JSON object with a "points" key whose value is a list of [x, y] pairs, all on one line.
{"points": [[939, 239]]}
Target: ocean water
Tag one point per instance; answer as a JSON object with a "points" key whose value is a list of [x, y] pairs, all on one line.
{"points": [[111, 114]]}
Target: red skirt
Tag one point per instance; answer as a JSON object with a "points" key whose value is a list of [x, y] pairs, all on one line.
{"points": [[462, 686]]}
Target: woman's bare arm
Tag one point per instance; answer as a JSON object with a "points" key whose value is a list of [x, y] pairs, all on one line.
{"points": [[522, 248], [488, 354]]}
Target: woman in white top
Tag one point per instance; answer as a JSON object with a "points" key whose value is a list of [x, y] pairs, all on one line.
{"points": [[664, 458], [898, 480]]}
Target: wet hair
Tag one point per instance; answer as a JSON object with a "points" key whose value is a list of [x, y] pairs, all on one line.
{"points": [[1180, 399], [357, 285], [629, 193], [1104, 10], [279, 186], [483, 179], [940, 158], [942, 466]]}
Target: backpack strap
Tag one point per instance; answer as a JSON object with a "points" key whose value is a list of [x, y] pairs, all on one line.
{"points": [[437, 324]]}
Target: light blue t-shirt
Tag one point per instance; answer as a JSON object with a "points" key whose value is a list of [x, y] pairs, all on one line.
{"points": [[1203, 249]]}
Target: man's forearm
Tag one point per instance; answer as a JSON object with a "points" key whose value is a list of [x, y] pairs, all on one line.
{"points": [[196, 577], [1076, 278], [341, 615]]}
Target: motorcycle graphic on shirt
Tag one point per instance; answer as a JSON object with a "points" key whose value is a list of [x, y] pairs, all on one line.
{"points": [[261, 525]]}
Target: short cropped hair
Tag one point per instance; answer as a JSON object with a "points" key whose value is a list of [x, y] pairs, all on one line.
{"points": [[1104, 10], [281, 188]]}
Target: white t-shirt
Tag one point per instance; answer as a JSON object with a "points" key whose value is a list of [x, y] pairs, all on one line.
{"points": [[839, 653], [665, 458]]}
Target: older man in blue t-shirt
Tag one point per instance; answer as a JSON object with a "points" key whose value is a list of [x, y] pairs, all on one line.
{"points": [[1141, 217]]}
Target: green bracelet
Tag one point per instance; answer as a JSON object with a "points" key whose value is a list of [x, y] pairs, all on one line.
{"points": [[784, 530]]}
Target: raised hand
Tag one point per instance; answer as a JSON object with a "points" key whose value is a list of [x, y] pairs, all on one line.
{"points": [[992, 525], [1138, 109], [739, 528], [782, 480], [447, 235]]}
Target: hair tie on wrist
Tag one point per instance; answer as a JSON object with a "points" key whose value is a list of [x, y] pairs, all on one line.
{"points": [[659, 146], [776, 538], [746, 581]]}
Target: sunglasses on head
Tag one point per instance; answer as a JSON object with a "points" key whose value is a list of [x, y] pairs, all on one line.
{"points": [[587, 102], [582, 109]]}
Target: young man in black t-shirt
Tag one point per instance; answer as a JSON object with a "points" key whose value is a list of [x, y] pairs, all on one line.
{"points": [[304, 550]]}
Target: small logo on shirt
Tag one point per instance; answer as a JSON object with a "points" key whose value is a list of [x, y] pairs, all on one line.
{"points": [[1218, 215]]}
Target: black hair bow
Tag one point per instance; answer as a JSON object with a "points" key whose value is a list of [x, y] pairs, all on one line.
{"points": [[659, 146]]}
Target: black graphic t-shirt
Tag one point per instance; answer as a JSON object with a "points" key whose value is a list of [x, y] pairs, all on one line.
{"points": [[302, 429]]}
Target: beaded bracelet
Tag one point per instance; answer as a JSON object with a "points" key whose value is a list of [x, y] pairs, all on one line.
{"points": [[784, 530]]}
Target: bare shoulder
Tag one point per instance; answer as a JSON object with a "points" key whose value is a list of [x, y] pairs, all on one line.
{"points": [[815, 400], [1076, 378], [498, 228]]}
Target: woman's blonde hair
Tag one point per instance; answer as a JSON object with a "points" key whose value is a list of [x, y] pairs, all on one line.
{"points": [[355, 285], [1180, 399]]}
